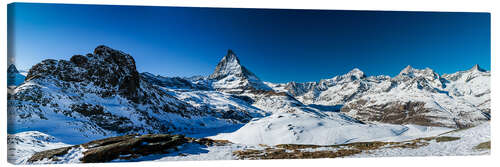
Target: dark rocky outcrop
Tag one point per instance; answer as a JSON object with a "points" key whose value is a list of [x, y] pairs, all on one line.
{"points": [[106, 68], [125, 147], [88, 88]]}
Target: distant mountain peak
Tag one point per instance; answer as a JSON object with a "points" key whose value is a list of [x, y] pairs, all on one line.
{"points": [[12, 69], [476, 68], [14, 77], [413, 72], [356, 72], [230, 65], [408, 69]]}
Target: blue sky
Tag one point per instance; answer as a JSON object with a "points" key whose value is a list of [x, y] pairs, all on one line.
{"points": [[277, 45]]}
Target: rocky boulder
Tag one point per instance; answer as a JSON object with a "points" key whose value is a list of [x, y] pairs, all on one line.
{"points": [[125, 147]]}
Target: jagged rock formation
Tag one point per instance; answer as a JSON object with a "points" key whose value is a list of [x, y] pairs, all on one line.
{"points": [[337, 90], [231, 76], [414, 96], [413, 79], [102, 94], [106, 68], [126, 147]]}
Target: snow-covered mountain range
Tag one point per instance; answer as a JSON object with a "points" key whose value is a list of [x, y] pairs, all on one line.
{"points": [[414, 96], [101, 94]]}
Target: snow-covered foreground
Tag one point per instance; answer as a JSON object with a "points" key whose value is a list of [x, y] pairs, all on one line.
{"points": [[292, 128], [21, 146], [468, 140], [464, 142], [194, 152]]}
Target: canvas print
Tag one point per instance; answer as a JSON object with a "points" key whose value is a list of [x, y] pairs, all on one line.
{"points": [[109, 83]]}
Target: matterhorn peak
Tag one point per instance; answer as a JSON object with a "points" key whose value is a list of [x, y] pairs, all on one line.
{"points": [[12, 69], [231, 56], [13, 76], [231, 75], [229, 65]]}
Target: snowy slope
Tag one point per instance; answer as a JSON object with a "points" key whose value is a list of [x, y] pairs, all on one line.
{"points": [[175, 82], [423, 97], [471, 86], [22, 145], [465, 145], [237, 108], [437, 141], [302, 127]]}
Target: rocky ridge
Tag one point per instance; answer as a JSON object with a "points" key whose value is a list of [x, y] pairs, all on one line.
{"points": [[102, 94]]}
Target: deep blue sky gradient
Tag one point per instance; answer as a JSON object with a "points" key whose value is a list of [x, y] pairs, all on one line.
{"points": [[277, 45]]}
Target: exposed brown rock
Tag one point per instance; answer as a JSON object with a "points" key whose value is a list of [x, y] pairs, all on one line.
{"points": [[483, 146], [393, 112], [126, 147]]}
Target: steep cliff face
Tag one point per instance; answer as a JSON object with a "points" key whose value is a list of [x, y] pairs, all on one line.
{"points": [[106, 68], [231, 76]]}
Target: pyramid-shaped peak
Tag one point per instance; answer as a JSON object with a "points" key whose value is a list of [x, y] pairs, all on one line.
{"points": [[231, 75], [12, 69], [230, 52], [229, 65], [231, 57]]}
